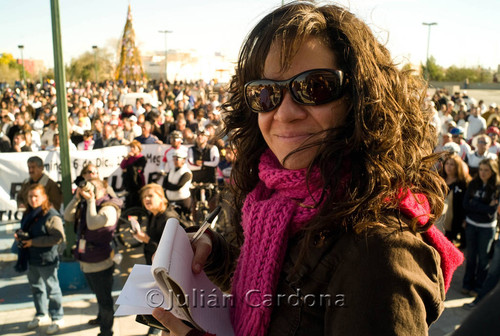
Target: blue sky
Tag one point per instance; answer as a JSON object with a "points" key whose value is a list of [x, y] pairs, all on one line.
{"points": [[466, 34]]}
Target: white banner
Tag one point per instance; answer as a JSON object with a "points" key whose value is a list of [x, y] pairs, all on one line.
{"points": [[14, 170]]}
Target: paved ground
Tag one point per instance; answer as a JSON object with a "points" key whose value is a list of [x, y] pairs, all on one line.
{"points": [[16, 306]]}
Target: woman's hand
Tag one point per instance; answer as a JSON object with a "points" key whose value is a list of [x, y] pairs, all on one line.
{"points": [[494, 202], [86, 194], [27, 243], [202, 249], [175, 325], [141, 236]]}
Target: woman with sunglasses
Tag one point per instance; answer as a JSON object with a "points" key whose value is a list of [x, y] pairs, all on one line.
{"points": [[90, 171], [334, 188]]}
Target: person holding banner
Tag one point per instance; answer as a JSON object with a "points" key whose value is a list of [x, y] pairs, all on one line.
{"points": [[35, 170]]}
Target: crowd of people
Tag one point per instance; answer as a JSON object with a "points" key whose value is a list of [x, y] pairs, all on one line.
{"points": [[468, 133], [322, 166], [187, 122], [186, 116], [469, 167]]}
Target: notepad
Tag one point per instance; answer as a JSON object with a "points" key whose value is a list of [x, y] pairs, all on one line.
{"points": [[171, 284]]}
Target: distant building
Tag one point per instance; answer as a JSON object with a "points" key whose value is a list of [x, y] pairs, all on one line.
{"points": [[33, 67], [188, 66]]}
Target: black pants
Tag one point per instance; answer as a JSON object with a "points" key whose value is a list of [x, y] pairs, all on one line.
{"points": [[101, 283]]}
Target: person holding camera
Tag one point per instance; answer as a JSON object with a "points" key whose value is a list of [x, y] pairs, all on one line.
{"points": [[37, 239], [95, 214], [90, 171]]}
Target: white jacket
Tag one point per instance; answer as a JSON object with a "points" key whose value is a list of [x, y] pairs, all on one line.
{"points": [[173, 177]]}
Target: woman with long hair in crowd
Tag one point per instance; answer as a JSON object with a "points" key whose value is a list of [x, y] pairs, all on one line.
{"points": [[480, 203], [456, 178], [334, 186], [154, 201]]}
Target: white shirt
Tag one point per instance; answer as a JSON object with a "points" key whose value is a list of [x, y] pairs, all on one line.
{"points": [[473, 159], [464, 149], [173, 177], [476, 125], [167, 163], [495, 148], [444, 122]]}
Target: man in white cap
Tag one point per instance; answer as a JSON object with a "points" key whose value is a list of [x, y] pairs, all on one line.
{"points": [[167, 163], [137, 130], [178, 181]]}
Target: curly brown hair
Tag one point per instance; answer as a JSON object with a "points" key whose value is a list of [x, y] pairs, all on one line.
{"points": [[386, 138]]}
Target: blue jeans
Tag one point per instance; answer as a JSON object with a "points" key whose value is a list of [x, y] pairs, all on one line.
{"points": [[101, 283], [45, 287], [493, 275], [479, 242]]}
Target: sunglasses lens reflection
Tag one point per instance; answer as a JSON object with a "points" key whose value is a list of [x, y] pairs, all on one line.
{"points": [[313, 87]]}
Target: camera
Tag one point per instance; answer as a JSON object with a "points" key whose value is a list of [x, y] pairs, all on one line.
{"points": [[22, 235], [85, 186]]}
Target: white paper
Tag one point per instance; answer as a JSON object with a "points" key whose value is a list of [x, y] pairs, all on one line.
{"points": [[140, 292], [149, 286], [134, 224]]}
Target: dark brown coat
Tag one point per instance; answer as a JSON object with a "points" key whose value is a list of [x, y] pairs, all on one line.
{"points": [[387, 281]]}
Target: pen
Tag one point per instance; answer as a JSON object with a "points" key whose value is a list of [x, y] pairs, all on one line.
{"points": [[208, 220]]}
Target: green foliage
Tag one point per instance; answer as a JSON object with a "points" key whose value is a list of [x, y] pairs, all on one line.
{"points": [[8, 74], [456, 74], [475, 75], [83, 67], [9, 60], [436, 72], [10, 71]]}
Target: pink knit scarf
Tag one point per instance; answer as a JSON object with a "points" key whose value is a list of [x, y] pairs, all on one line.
{"points": [[277, 208]]}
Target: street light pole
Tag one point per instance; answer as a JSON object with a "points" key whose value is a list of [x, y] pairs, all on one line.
{"points": [[429, 25], [95, 62], [21, 47], [165, 32]]}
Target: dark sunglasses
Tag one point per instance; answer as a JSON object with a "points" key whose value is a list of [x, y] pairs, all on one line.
{"points": [[310, 88], [90, 172]]}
